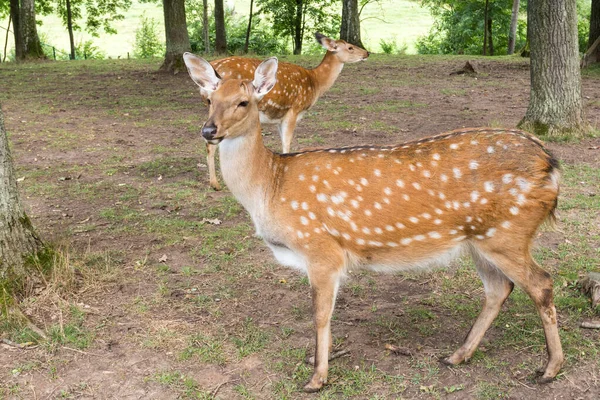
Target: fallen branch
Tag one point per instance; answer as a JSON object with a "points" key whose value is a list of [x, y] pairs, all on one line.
{"points": [[398, 350]]}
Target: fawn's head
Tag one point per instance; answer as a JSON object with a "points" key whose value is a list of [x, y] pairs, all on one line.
{"points": [[345, 52], [232, 102]]}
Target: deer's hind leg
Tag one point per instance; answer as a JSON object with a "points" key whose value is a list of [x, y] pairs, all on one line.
{"points": [[497, 288], [518, 266]]}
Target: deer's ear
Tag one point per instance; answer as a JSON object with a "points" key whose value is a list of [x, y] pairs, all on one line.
{"points": [[327, 43], [202, 72], [265, 77]]}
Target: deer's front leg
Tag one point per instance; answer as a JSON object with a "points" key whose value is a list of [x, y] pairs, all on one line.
{"points": [[211, 150], [286, 130], [324, 283]]}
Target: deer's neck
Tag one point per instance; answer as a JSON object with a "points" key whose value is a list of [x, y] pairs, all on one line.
{"points": [[327, 72], [248, 168]]}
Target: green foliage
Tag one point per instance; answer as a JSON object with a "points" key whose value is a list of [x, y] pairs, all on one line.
{"points": [[147, 41], [98, 13], [262, 39], [391, 46], [313, 15], [584, 10], [459, 27]]}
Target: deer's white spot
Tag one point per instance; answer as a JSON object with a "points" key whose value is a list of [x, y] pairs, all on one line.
{"points": [[419, 238], [437, 221], [456, 172], [312, 188], [505, 224], [416, 185], [399, 225], [354, 203], [360, 241], [473, 164], [490, 149], [514, 210], [436, 156], [488, 186], [330, 211], [322, 197], [364, 181], [312, 215], [434, 235], [389, 228], [406, 197], [377, 206], [378, 230], [377, 172], [490, 232], [426, 215], [315, 178], [294, 205], [387, 191], [414, 220], [444, 178], [399, 183], [474, 195], [301, 177], [406, 241], [426, 174], [483, 201], [454, 146], [303, 220], [368, 213], [304, 205], [507, 178]]}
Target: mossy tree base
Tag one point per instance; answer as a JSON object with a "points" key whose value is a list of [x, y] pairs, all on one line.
{"points": [[554, 131]]}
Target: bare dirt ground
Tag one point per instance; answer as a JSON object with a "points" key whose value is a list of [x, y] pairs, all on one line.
{"points": [[167, 304]]}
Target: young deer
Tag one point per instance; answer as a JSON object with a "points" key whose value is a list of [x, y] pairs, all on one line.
{"points": [[484, 191], [297, 89]]}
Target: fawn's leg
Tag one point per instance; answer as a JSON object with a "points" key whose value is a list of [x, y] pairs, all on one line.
{"points": [[211, 151], [497, 288]]}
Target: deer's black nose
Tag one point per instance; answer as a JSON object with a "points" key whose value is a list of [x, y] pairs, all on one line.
{"points": [[209, 131]]}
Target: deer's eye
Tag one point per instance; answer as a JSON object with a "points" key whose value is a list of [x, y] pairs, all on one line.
{"points": [[350, 48], [208, 101], [243, 104]]}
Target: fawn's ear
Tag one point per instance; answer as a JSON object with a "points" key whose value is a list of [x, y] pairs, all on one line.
{"points": [[327, 43], [202, 72], [265, 77]]}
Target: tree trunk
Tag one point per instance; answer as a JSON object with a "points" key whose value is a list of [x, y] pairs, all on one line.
{"points": [[350, 29], [32, 47], [176, 35], [17, 237], [70, 29], [15, 12], [593, 56], [490, 36], [220, 34], [247, 43], [555, 104], [485, 30], [298, 28], [512, 34], [205, 26], [6, 38]]}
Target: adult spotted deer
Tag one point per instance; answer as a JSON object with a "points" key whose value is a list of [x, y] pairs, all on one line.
{"points": [[482, 191], [297, 89]]}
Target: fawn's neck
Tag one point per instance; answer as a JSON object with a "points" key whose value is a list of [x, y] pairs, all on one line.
{"points": [[327, 72], [248, 167]]}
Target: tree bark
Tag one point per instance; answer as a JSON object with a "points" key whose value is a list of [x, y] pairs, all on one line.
{"points": [[350, 29], [15, 12], [176, 35], [17, 237], [205, 26], [32, 47], [512, 34], [298, 28], [247, 43], [70, 29], [220, 34], [555, 103]]}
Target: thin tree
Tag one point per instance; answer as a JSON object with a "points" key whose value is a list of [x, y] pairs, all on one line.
{"points": [[512, 33], [15, 14], [247, 43], [592, 55], [555, 103], [69, 16], [176, 35], [220, 36], [350, 28], [205, 26], [6, 38], [17, 236]]}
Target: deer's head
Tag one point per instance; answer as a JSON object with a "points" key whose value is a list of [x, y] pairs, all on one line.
{"points": [[232, 102]]}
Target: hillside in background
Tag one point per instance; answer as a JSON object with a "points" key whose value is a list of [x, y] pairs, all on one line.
{"points": [[400, 20]]}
